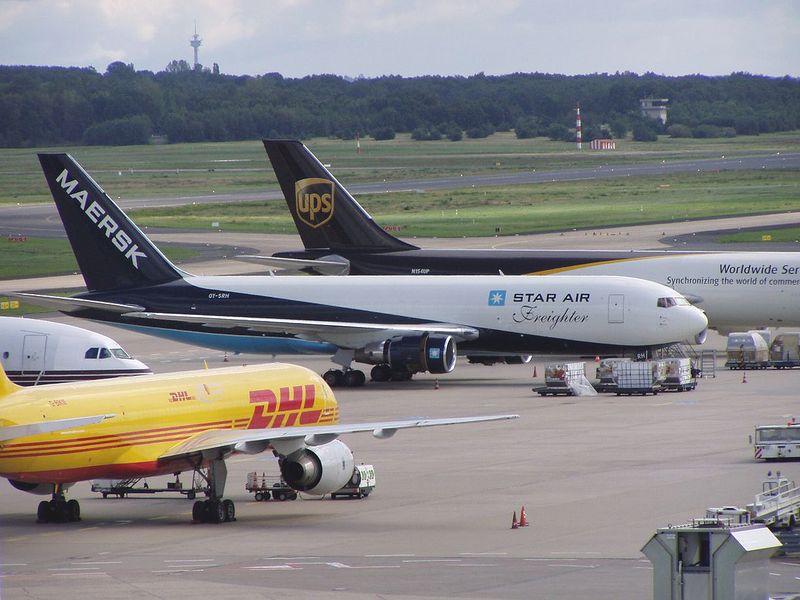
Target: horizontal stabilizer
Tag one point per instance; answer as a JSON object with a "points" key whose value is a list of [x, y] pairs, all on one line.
{"points": [[67, 305], [299, 265], [20, 431], [226, 440]]}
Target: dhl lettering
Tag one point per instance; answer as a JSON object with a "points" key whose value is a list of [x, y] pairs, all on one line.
{"points": [[97, 215], [296, 398]]}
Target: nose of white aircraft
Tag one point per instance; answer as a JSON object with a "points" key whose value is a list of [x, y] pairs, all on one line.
{"points": [[697, 324]]}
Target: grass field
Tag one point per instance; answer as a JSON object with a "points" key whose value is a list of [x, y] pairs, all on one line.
{"points": [[186, 169], [527, 208], [37, 257]]}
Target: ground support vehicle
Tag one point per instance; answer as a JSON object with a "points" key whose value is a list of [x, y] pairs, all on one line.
{"points": [[784, 352], [566, 379], [126, 487], [777, 506], [680, 375], [747, 350], [639, 378], [605, 374], [360, 485], [776, 442], [267, 487]]}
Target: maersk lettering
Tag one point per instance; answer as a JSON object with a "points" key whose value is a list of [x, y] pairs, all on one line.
{"points": [[97, 215]]}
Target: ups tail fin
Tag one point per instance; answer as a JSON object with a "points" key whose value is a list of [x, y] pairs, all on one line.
{"points": [[112, 252], [324, 212]]}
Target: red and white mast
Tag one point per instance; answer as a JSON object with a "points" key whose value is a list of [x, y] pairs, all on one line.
{"points": [[578, 125]]}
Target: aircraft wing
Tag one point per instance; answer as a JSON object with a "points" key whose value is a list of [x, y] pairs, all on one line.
{"points": [[326, 331], [257, 440], [300, 265], [14, 432], [66, 304]]}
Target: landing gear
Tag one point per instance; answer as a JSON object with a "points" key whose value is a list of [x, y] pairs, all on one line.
{"points": [[215, 509], [58, 509], [347, 378], [387, 373]]}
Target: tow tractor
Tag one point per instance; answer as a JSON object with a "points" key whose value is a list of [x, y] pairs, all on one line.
{"points": [[776, 442]]}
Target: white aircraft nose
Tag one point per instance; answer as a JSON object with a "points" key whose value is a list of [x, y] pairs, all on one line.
{"points": [[698, 324]]}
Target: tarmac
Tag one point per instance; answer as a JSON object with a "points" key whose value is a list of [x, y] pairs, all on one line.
{"points": [[597, 476]]}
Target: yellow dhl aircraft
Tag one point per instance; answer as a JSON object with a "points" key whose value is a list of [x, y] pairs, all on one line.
{"points": [[56, 435]]}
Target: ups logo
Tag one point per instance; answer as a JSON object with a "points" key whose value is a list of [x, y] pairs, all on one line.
{"points": [[314, 200]]}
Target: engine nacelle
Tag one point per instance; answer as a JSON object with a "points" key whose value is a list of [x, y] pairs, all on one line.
{"points": [[428, 352], [40, 489], [318, 469]]}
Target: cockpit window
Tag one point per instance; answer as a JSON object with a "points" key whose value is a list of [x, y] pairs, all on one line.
{"points": [[104, 353], [119, 353], [672, 301], [92, 353]]}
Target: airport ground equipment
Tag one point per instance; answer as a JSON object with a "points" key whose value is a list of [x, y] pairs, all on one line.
{"points": [[605, 374], [705, 560], [360, 485], [568, 379], [680, 374], [747, 350], [127, 487], [784, 351], [267, 487], [777, 506], [776, 442], [639, 378]]}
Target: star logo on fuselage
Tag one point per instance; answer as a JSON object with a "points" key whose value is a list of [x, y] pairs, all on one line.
{"points": [[497, 297]]}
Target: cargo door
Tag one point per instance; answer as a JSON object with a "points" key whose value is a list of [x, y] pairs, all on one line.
{"points": [[33, 351], [616, 308]]}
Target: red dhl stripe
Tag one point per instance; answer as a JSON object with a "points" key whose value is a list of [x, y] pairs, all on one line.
{"points": [[61, 452]]}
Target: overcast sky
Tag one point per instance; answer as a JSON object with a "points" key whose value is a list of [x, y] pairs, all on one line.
{"points": [[412, 37]]}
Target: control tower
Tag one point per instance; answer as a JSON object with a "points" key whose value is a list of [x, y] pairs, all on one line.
{"points": [[195, 43]]}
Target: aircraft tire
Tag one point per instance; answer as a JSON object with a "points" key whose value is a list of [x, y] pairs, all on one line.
{"points": [[333, 377], [229, 508], [381, 373], [259, 496], [198, 511], [354, 378], [73, 510], [43, 512]]}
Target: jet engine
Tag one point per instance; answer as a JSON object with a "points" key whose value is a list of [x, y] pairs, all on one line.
{"points": [[413, 353], [318, 469], [40, 489]]}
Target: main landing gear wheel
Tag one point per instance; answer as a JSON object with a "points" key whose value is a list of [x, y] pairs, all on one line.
{"points": [[348, 378], [213, 511], [58, 510]]}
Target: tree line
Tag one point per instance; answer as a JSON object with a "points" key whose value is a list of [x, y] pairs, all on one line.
{"points": [[56, 105]]}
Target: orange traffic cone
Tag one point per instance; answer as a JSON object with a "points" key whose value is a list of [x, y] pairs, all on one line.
{"points": [[744, 376], [436, 384], [225, 357], [514, 522], [523, 519]]}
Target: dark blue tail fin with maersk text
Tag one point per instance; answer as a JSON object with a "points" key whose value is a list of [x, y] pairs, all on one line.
{"points": [[324, 212], [112, 252]]}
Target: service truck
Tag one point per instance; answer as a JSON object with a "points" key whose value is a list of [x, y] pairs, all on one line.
{"points": [[777, 506], [776, 442]]}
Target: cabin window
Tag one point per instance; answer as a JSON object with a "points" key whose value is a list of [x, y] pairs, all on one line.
{"points": [[666, 302], [92, 353], [104, 353], [120, 353], [5, 354]]}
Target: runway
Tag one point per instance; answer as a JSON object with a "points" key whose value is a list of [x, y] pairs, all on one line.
{"points": [[597, 476]]}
